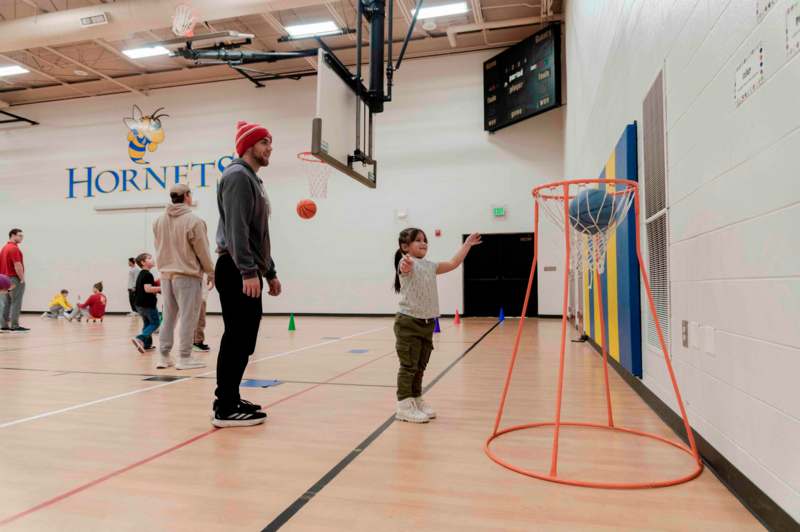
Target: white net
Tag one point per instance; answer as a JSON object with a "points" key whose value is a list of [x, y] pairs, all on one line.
{"points": [[183, 21], [317, 173], [594, 210]]}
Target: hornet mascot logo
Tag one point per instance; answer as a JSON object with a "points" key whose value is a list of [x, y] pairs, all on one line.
{"points": [[145, 133]]}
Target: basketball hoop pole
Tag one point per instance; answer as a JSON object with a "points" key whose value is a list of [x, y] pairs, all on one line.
{"points": [[515, 350], [662, 343], [565, 302]]}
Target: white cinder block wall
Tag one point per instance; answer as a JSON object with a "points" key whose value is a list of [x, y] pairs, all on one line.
{"points": [[435, 161], [734, 206]]}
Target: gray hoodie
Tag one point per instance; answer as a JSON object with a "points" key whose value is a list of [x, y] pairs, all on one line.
{"points": [[243, 230]]}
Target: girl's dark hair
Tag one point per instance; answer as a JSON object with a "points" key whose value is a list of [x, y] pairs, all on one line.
{"points": [[406, 236], [99, 286]]}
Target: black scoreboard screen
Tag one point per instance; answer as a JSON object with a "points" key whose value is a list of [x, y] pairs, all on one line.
{"points": [[523, 81]]}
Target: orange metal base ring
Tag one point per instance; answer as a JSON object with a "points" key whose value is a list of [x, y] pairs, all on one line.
{"points": [[588, 484]]}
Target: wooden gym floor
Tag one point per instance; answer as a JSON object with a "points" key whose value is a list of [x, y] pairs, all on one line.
{"points": [[87, 443]]}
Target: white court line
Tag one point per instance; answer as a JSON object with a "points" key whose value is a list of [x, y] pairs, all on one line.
{"points": [[186, 379]]}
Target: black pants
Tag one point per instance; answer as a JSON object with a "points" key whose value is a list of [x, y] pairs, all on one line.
{"points": [[242, 316], [131, 297]]}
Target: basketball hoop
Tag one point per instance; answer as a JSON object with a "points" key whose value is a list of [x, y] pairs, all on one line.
{"points": [[594, 209], [588, 210], [183, 21], [317, 172]]}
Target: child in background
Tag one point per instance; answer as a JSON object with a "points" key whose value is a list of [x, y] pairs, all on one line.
{"points": [[145, 301], [58, 305], [95, 306], [415, 280]]}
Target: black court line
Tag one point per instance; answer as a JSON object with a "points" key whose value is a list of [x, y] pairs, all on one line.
{"points": [[309, 494]]}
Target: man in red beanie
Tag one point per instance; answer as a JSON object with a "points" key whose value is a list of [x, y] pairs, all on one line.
{"points": [[244, 260]]}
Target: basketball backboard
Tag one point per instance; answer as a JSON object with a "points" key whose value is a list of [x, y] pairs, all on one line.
{"points": [[342, 128]]}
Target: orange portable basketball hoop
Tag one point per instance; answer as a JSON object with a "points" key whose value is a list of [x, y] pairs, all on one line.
{"points": [[587, 210]]}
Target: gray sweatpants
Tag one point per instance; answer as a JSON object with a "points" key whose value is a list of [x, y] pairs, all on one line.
{"points": [[11, 304], [182, 297]]}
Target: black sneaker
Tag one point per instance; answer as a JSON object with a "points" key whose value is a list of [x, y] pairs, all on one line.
{"points": [[244, 406], [20, 329], [201, 347], [238, 418]]}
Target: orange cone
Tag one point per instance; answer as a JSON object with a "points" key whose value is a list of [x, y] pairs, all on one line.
{"points": [[457, 320]]}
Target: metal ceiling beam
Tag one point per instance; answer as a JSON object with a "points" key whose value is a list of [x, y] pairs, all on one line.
{"points": [[276, 24], [227, 74], [103, 44], [43, 60], [99, 42], [125, 17], [406, 11], [477, 13], [339, 19], [34, 5], [93, 71], [44, 74]]}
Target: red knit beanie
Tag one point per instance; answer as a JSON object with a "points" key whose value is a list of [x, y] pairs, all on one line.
{"points": [[248, 134]]}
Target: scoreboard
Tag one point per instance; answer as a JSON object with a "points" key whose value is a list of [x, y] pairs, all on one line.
{"points": [[523, 81]]}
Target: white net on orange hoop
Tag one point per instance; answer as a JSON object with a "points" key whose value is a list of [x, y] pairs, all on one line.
{"points": [[594, 209], [183, 20]]}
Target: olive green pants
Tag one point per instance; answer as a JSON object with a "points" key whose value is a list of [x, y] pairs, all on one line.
{"points": [[414, 344]]}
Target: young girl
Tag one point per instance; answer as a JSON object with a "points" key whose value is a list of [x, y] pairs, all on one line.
{"points": [[415, 280], [95, 306]]}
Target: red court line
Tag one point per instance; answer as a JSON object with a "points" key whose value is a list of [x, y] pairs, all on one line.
{"points": [[108, 476]]}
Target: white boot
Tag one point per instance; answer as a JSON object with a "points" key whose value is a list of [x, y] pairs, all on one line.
{"points": [[407, 411], [424, 407]]}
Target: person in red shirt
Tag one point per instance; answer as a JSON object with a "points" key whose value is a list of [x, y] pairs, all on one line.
{"points": [[95, 306], [12, 266]]}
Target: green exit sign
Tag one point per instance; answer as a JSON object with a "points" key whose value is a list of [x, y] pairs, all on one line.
{"points": [[499, 212]]}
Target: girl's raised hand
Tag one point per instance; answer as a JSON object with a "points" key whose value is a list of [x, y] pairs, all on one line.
{"points": [[406, 264], [473, 240]]}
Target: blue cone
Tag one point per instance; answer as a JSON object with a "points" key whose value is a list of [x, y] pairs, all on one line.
{"points": [[436, 328], [502, 315]]}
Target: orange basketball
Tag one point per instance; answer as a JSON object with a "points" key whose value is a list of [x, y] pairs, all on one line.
{"points": [[306, 209]]}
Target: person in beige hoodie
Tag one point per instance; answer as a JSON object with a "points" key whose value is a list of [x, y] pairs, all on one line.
{"points": [[182, 258]]}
